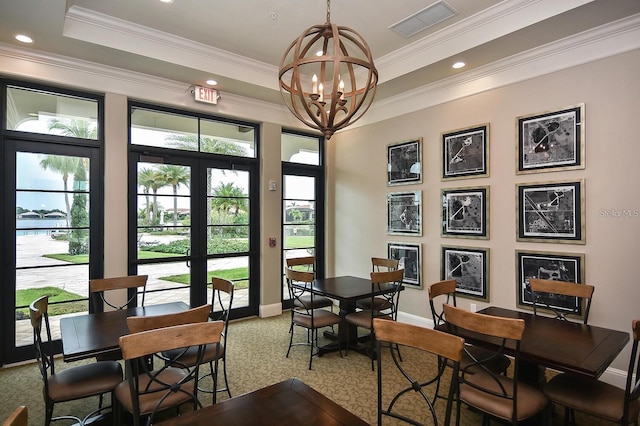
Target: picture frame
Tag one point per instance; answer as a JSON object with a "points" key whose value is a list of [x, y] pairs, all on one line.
{"points": [[404, 213], [551, 141], [469, 267], [409, 258], [465, 153], [567, 267], [465, 212], [551, 212], [404, 162]]}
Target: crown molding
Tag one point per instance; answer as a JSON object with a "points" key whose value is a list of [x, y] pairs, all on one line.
{"points": [[34, 65], [608, 40], [605, 41], [489, 24], [97, 28]]}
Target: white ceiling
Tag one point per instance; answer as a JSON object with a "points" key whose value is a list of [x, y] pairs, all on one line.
{"points": [[240, 42]]}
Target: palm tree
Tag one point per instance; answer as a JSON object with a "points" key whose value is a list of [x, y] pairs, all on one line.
{"points": [[151, 179], [175, 176], [76, 128], [65, 166], [228, 196]]}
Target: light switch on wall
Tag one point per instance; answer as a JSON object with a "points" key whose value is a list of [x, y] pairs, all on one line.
{"points": [[273, 185]]}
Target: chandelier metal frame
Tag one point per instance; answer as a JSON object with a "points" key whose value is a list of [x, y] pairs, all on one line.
{"points": [[327, 76]]}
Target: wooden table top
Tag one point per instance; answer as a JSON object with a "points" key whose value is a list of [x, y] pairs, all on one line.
{"points": [[565, 346], [290, 402], [348, 288], [85, 336]]}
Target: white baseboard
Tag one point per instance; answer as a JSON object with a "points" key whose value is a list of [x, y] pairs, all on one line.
{"points": [[272, 310], [613, 376]]}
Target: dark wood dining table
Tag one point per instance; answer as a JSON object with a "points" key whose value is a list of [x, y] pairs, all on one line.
{"points": [[566, 346], [88, 335], [291, 402], [347, 290]]}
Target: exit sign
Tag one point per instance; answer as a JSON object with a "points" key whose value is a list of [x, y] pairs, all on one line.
{"points": [[205, 94]]}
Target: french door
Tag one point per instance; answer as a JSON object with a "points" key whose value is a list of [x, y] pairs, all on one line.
{"points": [[51, 235], [194, 218]]}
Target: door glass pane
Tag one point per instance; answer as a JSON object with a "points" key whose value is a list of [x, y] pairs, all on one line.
{"points": [[299, 212], [164, 210], [299, 219], [36, 111], [168, 282], [228, 216], [52, 235], [235, 269]]}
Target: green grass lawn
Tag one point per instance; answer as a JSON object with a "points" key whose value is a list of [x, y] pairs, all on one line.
{"points": [[238, 275], [292, 242], [26, 296], [84, 258]]}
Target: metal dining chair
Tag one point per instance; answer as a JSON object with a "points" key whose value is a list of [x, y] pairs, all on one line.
{"points": [[494, 395], [437, 343], [78, 382], [146, 391]]}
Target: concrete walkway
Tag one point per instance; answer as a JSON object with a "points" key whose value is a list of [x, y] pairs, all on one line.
{"points": [[74, 278]]}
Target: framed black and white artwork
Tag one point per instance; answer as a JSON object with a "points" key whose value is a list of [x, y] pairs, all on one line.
{"points": [[469, 267], [404, 162], [465, 153], [409, 259], [465, 212], [551, 141], [551, 212], [404, 213], [567, 267]]}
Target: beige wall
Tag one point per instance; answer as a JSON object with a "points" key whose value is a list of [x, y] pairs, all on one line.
{"points": [[610, 89]]}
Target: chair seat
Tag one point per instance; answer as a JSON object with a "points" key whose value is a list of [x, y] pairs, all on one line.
{"points": [[363, 318], [590, 396], [148, 402], [379, 304], [190, 357], [85, 380], [321, 318], [530, 400], [318, 302]]}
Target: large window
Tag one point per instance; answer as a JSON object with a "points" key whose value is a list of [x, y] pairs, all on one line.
{"points": [[52, 225], [195, 206], [303, 193]]}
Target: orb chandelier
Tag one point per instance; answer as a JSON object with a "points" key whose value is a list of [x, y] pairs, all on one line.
{"points": [[327, 76]]}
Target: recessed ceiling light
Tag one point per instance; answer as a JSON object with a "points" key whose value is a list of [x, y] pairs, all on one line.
{"points": [[24, 38], [212, 82], [459, 65], [166, 1]]}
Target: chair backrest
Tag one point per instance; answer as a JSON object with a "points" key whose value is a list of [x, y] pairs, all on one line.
{"points": [[442, 288], [306, 263], [504, 332], [632, 388], [222, 301], [134, 284], [39, 314], [438, 343], [145, 323], [166, 386], [394, 278], [380, 264], [19, 417], [296, 293], [545, 293]]}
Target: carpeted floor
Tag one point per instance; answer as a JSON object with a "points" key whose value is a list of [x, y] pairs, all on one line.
{"points": [[256, 358]]}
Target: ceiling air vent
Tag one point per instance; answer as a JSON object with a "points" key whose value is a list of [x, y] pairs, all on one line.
{"points": [[427, 17]]}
